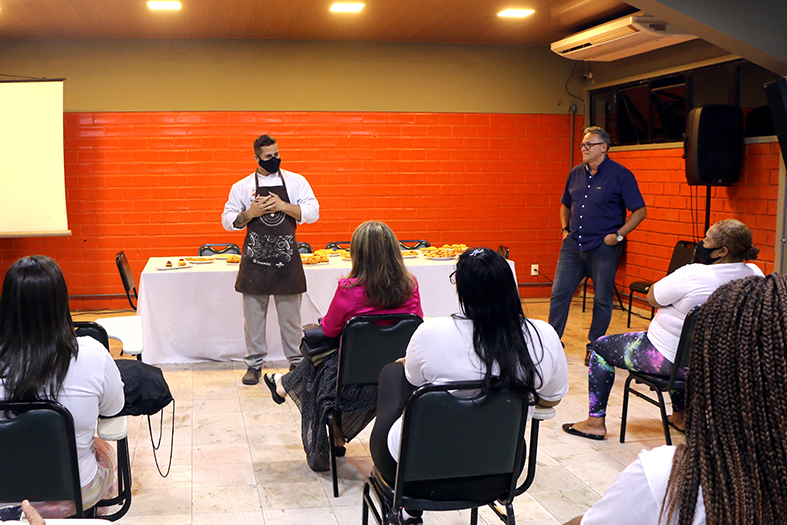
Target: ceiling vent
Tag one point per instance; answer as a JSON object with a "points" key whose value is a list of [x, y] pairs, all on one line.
{"points": [[624, 37]]}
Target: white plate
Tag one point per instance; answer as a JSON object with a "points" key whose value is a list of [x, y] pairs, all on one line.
{"points": [[316, 264], [333, 254], [222, 256], [199, 262], [174, 266], [409, 256], [441, 258]]}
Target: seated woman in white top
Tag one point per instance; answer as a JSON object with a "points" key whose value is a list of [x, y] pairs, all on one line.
{"points": [[41, 358], [733, 466], [491, 340], [721, 254]]}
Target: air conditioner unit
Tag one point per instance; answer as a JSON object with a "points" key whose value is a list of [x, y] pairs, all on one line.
{"points": [[624, 37]]}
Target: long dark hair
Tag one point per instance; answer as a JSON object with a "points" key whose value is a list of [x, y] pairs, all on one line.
{"points": [[736, 415], [377, 264], [37, 340], [489, 297]]}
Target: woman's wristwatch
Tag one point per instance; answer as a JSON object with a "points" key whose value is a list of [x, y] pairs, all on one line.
{"points": [[566, 229]]}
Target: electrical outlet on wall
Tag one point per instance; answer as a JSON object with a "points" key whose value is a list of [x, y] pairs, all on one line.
{"points": [[534, 269]]}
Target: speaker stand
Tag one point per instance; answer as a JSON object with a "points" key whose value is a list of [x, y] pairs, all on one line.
{"points": [[707, 209]]}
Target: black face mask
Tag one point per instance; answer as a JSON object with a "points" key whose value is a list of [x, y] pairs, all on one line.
{"points": [[703, 254], [271, 165]]}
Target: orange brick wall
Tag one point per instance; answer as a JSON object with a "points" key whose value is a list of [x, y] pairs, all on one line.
{"points": [[677, 211], [155, 184]]}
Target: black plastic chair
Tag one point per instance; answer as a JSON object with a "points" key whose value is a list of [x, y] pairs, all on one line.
{"points": [[682, 254], [660, 384], [304, 247], [39, 454], [448, 439], [127, 277], [368, 343], [218, 249], [338, 245], [414, 244], [106, 429], [92, 329]]}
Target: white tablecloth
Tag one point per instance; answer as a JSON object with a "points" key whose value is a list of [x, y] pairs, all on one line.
{"points": [[194, 314]]}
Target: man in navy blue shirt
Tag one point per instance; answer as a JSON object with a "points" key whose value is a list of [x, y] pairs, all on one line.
{"points": [[593, 218]]}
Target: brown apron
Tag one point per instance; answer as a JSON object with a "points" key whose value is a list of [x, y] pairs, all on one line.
{"points": [[271, 263]]}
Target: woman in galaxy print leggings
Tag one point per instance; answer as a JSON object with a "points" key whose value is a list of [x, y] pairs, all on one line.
{"points": [[721, 254]]}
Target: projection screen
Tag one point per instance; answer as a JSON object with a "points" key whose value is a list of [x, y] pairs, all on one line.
{"points": [[32, 175]]}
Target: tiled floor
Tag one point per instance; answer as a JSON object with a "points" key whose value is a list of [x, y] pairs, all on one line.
{"points": [[238, 457]]}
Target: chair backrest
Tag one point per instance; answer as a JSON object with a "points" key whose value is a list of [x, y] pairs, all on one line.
{"points": [[126, 276], [682, 254], [94, 330], [218, 249], [503, 250], [338, 245], [369, 342], [684, 343], [414, 244], [304, 247], [39, 454], [454, 431]]}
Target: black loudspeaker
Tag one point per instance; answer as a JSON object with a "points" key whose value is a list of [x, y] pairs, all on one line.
{"points": [[714, 145], [776, 93]]}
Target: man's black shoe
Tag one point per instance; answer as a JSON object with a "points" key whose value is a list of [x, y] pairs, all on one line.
{"points": [[251, 377]]}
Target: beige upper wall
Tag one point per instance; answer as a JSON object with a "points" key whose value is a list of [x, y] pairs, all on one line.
{"points": [[259, 75]]}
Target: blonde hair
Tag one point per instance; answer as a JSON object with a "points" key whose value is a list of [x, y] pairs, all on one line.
{"points": [[377, 265]]}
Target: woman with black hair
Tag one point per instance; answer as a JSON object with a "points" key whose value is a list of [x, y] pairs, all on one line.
{"points": [[491, 340], [42, 359]]}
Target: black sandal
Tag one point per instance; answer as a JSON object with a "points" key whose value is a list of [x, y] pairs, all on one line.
{"points": [[271, 384]]}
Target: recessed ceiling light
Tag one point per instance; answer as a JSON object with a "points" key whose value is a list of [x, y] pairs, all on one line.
{"points": [[343, 7], [164, 6], [516, 13]]}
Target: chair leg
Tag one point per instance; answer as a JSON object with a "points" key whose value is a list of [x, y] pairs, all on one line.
{"points": [[626, 388], [510, 514], [332, 455], [584, 293], [474, 516], [631, 298], [620, 299], [664, 418], [365, 506]]}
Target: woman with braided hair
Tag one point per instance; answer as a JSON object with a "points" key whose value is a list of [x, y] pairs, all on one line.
{"points": [[733, 467], [721, 254]]}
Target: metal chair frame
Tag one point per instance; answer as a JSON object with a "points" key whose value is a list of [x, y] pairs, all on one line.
{"points": [[508, 409], [414, 244], [97, 332], [218, 249], [127, 277], [660, 384], [367, 344]]}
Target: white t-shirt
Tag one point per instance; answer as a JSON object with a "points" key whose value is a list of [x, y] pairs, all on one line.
{"points": [[682, 290], [298, 191], [92, 386], [636, 496], [441, 350]]}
